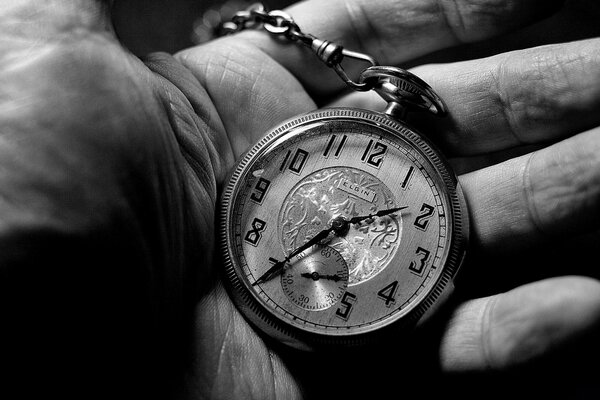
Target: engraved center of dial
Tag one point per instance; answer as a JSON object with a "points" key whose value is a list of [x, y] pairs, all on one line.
{"points": [[321, 197]]}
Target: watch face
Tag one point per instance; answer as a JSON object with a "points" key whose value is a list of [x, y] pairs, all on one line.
{"points": [[340, 223]]}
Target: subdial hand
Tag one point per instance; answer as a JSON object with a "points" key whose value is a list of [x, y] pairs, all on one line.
{"points": [[315, 276]]}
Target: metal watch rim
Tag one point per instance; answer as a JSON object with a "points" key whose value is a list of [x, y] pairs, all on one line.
{"points": [[258, 313]]}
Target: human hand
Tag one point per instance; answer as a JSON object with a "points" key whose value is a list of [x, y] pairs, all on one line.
{"points": [[114, 165]]}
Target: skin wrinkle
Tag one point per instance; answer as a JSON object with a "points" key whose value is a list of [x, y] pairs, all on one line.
{"points": [[529, 195], [208, 178], [574, 303], [210, 304], [487, 330], [266, 73], [575, 186], [537, 105], [445, 17], [504, 101], [549, 100], [178, 106], [229, 361], [361, 26], [214, 127], [222, 354], [273, 371], [221, 67]]}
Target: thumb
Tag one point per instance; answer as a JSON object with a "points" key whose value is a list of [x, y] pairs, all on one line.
{"points": [[35, 20]]}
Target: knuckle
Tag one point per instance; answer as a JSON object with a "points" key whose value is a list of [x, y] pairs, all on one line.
{"points": [[543, 323], [563, 185], [556, 87], [530, 102]]}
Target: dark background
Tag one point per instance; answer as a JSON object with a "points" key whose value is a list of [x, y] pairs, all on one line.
{"points": [[180, 22]]}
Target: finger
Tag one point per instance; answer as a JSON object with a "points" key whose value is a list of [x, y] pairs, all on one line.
{"points": [[241, 77], [520, 326], [392, 31], [532, 199], [250, 91], [519, 98]]}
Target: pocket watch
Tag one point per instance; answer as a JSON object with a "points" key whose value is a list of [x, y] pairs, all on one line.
{"points": [[342, 225]]}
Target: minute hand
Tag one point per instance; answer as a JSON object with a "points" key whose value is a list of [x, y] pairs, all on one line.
{"points": [[380, 213], [339, 225]]}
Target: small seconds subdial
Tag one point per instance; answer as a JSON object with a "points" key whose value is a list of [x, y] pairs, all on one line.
{"points": [[316, 279]]}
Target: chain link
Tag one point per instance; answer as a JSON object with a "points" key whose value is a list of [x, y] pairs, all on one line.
{"points": [[400, 88], [281, 24]]}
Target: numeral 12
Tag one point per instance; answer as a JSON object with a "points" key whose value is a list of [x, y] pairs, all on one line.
{"points": [[374, 153]]}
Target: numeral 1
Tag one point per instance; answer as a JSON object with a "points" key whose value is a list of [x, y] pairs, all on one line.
{"points": [[409, 174]]}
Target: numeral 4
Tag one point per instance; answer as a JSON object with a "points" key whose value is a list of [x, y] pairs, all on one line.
{"points": [[388, 293]]}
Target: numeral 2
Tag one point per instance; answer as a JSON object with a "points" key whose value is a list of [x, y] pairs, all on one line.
{"points": [[422, 220]]}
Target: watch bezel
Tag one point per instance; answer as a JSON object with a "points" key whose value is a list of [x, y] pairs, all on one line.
{"points": [[272, 325]]}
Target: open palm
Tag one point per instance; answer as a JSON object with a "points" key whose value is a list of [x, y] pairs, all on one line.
{"points": [[110, 170]]}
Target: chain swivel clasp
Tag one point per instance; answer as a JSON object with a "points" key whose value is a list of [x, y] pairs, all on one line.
{"points": [[332, 55]]}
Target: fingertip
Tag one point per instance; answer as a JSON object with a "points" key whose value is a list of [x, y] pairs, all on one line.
{"points": [[527, 324], [540, 318]]}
